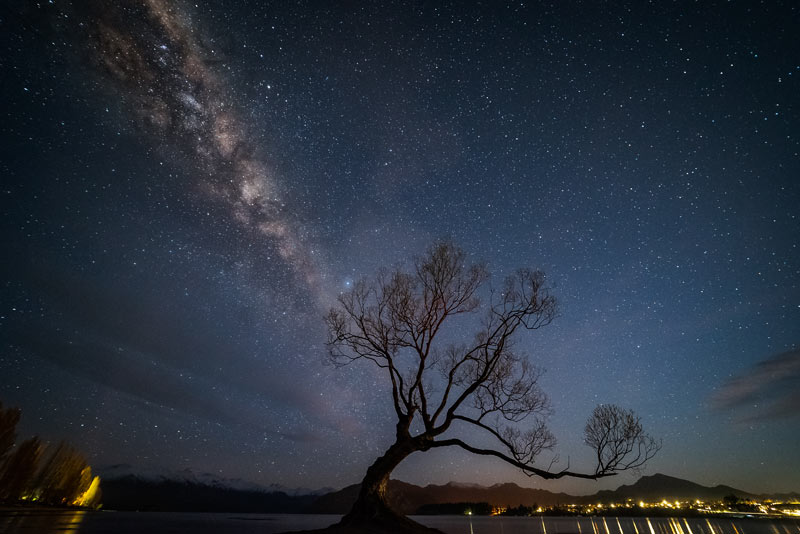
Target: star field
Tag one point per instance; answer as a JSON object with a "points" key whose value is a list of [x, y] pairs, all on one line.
{"points": [[186, 188]]}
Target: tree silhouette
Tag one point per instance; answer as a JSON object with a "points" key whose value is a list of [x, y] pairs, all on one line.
{"points": [[9, 417], [405, 322], [17, 475]]}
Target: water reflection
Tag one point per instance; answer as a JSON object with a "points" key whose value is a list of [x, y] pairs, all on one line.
{"points": [[81, 522], [72, 524], [41, 521], [609, 525]]}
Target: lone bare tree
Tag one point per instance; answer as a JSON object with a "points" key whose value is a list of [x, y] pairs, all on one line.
{"points": [[400, 321]]}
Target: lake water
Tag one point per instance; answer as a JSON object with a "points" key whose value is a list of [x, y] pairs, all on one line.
{"points": [[74, 522]]}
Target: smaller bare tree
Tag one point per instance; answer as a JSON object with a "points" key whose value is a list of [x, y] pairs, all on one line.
{"points": [[617, 437], [398, 322]]}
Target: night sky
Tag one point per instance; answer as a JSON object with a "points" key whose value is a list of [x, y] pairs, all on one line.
{"points": [[186, 188]]}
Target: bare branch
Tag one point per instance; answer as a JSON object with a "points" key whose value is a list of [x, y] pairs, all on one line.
{"points": [[512, 390], [618, 439], [483, 381], [527, 469], [524, 302], [522, 446]]}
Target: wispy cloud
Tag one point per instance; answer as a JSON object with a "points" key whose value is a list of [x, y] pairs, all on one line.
{"points": [[768, 390]]}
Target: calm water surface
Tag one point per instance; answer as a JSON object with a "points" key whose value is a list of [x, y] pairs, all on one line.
{"points": [[72, 522]]}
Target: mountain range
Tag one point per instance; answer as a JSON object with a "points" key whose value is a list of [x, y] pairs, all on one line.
{"points": [[187, 476], [185, 491]]}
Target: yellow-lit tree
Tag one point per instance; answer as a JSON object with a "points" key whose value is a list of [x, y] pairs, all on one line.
{"points": [[64, 479]]}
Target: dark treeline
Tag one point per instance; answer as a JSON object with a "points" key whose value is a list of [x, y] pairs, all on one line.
{"points": [[34, 472]]}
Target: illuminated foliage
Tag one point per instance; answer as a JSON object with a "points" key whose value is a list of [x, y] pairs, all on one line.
{"points": [[62, 479], [90, 497]]}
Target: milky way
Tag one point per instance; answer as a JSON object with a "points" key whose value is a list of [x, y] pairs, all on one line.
{"points": [[165, 74]]}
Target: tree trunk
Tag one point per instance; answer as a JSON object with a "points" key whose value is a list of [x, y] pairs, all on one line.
{"points": [[371, 511]]}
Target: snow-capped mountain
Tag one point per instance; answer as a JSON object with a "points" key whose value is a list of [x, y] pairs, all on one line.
{"points": [[187, 476]]}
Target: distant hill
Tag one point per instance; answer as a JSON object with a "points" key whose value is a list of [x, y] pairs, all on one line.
{"points": [[126, 488], [408, 498], [657, 487], [131, 493], [126, 471], [188, 493]]}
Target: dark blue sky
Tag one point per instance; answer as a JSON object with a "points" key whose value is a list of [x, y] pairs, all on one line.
{"points": [[186, 189]]}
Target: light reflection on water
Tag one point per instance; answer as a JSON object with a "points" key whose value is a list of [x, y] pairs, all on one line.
{"points": [[73, 523], [61, 521], [611, 525], [79, 522]]}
